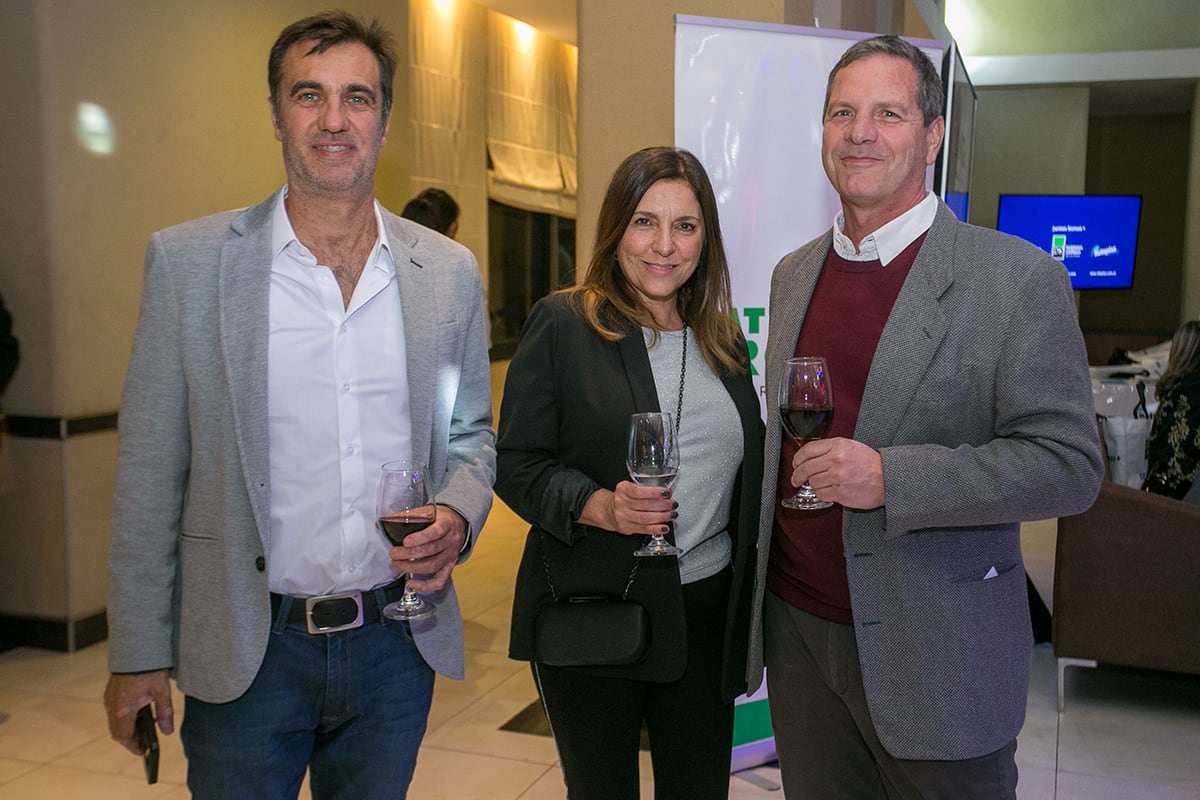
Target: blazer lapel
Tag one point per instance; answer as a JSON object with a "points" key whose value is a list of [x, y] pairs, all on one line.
{"points": [[418, 306], [637, 371], [912, 335], [791, 290], [244, 286]]}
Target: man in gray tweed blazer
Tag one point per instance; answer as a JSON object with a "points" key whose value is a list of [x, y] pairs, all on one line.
{"points": [[895, 623], [283, 353]]}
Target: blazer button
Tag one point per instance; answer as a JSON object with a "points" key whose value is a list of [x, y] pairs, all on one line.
{"points": [[260, 564]]}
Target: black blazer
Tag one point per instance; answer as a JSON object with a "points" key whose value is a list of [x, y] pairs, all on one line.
{"points": [[563, 428]]}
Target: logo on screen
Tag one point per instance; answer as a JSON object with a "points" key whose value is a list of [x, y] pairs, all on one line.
{"points": [[1058, 246], [1098, 251]]}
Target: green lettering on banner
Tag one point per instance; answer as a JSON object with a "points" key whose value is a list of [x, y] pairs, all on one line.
{"points": [[753, 316], [752, 348], [752, 326]]}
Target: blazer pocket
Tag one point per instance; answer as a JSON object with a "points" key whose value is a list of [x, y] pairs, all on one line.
{"points": [[197, 536], [986, 573]]}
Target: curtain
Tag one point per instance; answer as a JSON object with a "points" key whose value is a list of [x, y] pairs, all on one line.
{"points": [[531, 102]]}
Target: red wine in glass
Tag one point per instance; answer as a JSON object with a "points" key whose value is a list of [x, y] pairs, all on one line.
{"points": [[806, 410], [405, 506], [806, 424], [397, 526]]}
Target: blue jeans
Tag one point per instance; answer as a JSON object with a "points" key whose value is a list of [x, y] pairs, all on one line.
{"points": [[350, 706]]}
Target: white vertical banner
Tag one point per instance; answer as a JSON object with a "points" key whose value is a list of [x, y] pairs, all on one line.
{"points": [[748, 103]]}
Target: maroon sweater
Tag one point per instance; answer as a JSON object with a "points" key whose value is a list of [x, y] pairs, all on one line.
{"points": [[845, 318]]}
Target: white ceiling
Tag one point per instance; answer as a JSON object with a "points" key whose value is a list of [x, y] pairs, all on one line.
{"points": [[557, 18]]}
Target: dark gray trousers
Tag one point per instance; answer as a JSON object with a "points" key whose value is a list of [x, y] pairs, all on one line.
{"points": [[827, 745]]}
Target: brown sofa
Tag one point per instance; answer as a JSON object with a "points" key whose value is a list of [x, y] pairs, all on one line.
{"points": [[1127, 584]]}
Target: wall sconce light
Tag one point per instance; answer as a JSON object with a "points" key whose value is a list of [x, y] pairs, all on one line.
{"points": [[524, 35]]}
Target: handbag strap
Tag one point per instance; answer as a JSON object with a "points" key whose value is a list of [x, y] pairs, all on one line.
{"points": [[682, 374], [550, 580]]}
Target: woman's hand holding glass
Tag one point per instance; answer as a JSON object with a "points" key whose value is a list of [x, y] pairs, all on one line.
{"points": [[653, 462], [642, 510]]}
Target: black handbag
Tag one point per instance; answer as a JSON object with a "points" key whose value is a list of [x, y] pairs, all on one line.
{"points": [[591, 631]]}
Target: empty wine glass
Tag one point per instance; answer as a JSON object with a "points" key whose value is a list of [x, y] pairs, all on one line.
{"points": [[406, 505], [653, 460], [806, 408]]}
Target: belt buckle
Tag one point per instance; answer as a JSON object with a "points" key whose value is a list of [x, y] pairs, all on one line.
{"points": [[311, 602]]}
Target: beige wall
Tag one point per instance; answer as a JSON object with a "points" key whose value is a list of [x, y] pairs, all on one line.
{"points": [[1190, 300], [1018, 151], [193, 137], [1142, 154]]}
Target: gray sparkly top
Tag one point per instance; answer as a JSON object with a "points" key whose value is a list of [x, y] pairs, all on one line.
{"points": [[710, 453]]}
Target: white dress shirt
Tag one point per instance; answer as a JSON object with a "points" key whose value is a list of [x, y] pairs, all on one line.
{"points": [[889, 240], [338, 408]]}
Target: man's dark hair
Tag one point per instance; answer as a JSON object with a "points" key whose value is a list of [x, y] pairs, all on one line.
{"points": [[931, 97], [434, 209], [330, 29]]}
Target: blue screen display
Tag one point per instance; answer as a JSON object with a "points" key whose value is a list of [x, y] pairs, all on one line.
{"points": [[1094, 236], [958, 204]]}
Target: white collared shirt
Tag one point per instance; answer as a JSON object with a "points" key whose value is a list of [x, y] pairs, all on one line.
{"points": [[891, 239], [338, 408]]}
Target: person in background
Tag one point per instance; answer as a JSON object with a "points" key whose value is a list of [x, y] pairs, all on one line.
{"points": [[10, 348], [896, 627], [1173, 449], [434, 208], [10, 356], [437, 210], [283, 353], [649, 329]]}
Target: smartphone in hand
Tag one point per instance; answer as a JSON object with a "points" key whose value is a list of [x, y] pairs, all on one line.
{"points": [[147, 739]]}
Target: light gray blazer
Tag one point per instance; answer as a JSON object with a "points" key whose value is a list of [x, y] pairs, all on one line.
{"points": [[191, 510], [979, 402]]}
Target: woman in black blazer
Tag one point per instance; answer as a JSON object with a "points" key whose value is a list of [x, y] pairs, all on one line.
{"points": [[650, 328]]}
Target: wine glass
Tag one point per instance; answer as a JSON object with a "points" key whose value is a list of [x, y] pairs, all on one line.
{"points": [[405, 506], [806, 407], [653, 460]]}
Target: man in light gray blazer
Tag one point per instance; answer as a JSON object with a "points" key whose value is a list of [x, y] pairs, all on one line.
{"points": [[283, 353], [895, 623]]}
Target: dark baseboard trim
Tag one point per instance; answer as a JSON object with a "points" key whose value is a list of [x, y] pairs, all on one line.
{"points": [[52, 634], [27, 427]]}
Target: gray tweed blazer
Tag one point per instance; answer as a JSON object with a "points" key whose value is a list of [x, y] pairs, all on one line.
{"points": [[191, 510], [979, 402]]}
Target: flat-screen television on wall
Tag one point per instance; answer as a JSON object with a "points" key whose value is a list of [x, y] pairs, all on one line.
{"points": [[1094, 236]]}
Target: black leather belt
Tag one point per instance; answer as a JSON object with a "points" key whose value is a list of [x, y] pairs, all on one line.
{"points": [[331, 613]]}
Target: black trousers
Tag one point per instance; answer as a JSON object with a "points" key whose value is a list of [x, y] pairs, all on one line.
{"points": [[597, 721]]}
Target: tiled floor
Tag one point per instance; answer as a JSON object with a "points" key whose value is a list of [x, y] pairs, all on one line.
{"points": [[1124, 736]]}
